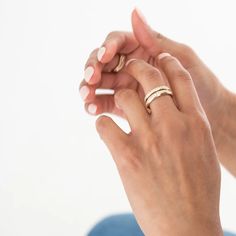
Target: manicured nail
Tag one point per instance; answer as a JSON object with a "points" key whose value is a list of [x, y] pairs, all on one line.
{"points": [[92, 109], [141, 16], [84, 92], [129, 61], [101, 53], [163, 55], [88, 73]]}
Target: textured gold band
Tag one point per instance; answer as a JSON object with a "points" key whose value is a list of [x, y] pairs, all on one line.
{"points": [[155, 95], [157, 89], [121, 63]]}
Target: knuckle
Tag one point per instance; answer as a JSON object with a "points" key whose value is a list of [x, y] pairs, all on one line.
{"points": [[151, 73], [181, 73], [115, 37], [167, 62], [200, 121], [169, 127], [113, 34]]}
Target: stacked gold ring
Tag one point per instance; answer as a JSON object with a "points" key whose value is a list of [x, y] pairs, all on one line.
{"points": [[156, 93], [121, 63]]}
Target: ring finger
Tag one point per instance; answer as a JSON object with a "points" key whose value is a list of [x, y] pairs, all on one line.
{"points": [[150, 77]]}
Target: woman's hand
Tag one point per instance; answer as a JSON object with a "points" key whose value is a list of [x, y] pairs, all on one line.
{"points": [[146, 44], [168, 162]]}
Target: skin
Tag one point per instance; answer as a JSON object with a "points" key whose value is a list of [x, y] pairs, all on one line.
{"points": [[146, 44], [170, 189]]}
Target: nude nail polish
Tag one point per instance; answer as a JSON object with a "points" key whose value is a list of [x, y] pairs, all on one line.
{"points": [[101, 53], [84, 92], [88, 73], [92, 109]]}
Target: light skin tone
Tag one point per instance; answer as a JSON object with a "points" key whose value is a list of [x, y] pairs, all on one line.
{"points": [[144, 43], [172, 191]]}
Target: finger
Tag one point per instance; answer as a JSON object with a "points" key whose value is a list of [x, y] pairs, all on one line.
{"points": [[116, 42], [150, 77], [92, 71], [129, 102], [103, 104], [181, 83], [155, 43], [138, 53], [108, 81], [112, 135]]}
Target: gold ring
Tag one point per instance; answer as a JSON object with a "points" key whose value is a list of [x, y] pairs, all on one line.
{"points": [[157, 89], [155, 95], [121, 63]]}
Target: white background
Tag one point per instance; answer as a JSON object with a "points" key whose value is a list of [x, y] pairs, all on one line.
{"points": [[56, 176]]}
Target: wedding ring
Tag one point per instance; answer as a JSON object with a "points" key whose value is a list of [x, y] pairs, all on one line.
{"points": [[155, 95], [121, 63], [156, 90]]}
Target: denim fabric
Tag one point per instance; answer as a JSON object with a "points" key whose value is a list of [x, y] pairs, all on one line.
{"points": [[121, 225]]}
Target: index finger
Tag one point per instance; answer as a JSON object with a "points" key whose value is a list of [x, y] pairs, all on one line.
{"points": [[116, 42]]}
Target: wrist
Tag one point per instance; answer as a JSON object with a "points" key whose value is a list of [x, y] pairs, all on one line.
{"points": [[224, 130]]}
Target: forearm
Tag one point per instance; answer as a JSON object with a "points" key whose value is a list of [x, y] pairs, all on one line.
{"points": [[226, 138]]}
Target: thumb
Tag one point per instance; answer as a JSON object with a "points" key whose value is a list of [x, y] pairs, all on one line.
{"points": [[112, 135], [155, 43]]}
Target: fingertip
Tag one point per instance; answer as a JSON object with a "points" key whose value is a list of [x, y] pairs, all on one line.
{"points": [[107, 54], [84, 92], [101, 122], [137, 13], [92, 75], [92, 108], [101, 52]]}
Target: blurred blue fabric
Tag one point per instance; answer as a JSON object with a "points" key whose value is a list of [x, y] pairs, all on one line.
{"points": [[121, 225]]}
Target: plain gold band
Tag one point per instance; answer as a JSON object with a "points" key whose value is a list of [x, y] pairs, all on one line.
{"points": [[155, 95], [121, 64]]}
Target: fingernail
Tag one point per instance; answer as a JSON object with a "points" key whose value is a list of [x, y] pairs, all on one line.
{"points": [[92, 109], [141, 16], [129, 61], [163, 55], [101, 53], [84, 92], [88, 73]]}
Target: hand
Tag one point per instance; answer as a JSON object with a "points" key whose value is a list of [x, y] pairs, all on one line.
{"points": [[168, 162], [146, 44]]}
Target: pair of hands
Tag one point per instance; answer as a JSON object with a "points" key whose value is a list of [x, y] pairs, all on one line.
{"points": [[168, 162]]}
